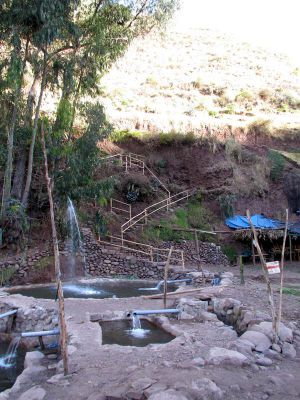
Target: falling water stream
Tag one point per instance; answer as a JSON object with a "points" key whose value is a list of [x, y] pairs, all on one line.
{"points": [[7, 360], [75, 237]]}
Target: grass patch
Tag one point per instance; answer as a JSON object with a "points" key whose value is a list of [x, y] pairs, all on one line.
{"points": [[230, 252], [44, 262], [293, 156], [277, 164], [6, 274], [124, 135], [193, 216], [172, 137], [291, 291]]}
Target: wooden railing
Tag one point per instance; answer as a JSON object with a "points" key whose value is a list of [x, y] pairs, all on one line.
{"points": [[154, 254], [143, 216], [116, 204], [130, 160]]}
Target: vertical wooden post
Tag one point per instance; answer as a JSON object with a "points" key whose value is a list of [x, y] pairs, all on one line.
{"points": [[111, 201], [126, 164], [146, 217], [198, 254], [151, 253], [143, 168], [281, 272], [253, 252], [166, 276], [130, 211], [290, 242], [241, 270], [61, 305], [182, 259], [266, 274]]}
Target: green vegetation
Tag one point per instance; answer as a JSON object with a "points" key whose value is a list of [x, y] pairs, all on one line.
{"points": [[244, 95], [293, 156], [124, 135], [230, 252], [194, 216], [291, 291], [260, 127], [44, 262], [173, 137], [6, 275], [277, 163], [226, 203]]}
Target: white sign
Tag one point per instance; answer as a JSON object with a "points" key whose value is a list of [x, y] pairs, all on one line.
{"points": [[273, 267]]}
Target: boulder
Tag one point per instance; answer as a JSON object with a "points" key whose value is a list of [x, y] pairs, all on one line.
{"points": [[33, 358], [265, 327], [207, 389], [221, 356], [242, 346], [288, 350], [35, 393], [170, 394], [264, 361], [260, 341]]}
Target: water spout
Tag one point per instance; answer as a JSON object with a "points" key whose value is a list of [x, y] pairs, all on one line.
{"points": [[136, 323], [8, 359], [76, 241], [149, 312]]}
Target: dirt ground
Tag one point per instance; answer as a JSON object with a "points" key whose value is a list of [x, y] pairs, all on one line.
{"points": [[113, 370]]}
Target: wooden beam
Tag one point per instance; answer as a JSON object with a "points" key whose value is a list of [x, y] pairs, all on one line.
{"points": [[166, 276], [61, 304]]}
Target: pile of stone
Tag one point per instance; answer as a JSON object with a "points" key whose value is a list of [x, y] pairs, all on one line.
{"points": [[209, 253]]}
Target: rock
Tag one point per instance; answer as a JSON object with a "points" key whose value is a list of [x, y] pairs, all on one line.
{"points": [[264, 361], [56, 378], [221, 356], [276, 347], [260, 341], [207, 389], [157, 387], [170, 394], [195, 362], [142, 384], [192, 307], [33, 358], [208, 316], [35, 393], [225, 282], [265, 327], [288, 350], [242, 346]]}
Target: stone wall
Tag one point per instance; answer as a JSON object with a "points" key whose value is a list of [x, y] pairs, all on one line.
{"points": [[101, 261]]}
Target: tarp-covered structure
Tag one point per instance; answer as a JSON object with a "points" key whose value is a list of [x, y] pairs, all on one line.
{"points": [[294, 229], [258, 220]]}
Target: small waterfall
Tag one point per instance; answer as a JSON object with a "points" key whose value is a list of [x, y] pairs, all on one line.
{"points": [[136, 323], [76, 242], [8, 359]]}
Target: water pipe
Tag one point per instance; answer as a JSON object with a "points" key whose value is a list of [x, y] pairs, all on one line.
{"points": [[41, 333], [8, 313], [160, 283], [149, 312]]}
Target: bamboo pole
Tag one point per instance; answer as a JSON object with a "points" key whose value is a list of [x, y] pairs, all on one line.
{"points": [[198, 254], [266, 274], [281, 273], [61, 305], [166, 276], [290, 242]]}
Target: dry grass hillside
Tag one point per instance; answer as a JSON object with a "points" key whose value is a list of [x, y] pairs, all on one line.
{"points": [[193, 77]]}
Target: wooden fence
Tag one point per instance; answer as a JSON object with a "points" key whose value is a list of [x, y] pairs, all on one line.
{"points": [[153, 254]]}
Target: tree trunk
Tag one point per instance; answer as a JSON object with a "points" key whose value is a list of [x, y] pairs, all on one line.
{"points": [[61, 303], [19, 176], [76, 99], [10, 138], [33, 136]]}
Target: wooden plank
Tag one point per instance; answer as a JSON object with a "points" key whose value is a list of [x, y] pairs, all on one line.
{"points": [[166, 276]]}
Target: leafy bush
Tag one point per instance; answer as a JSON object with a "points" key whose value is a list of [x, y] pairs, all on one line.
{"points": [[277, 163], [260, 127], [233, 150], [230, 252], [173, 137], [265, 94], [6, 274], [226, 203], [136, 187], [243, 96]]}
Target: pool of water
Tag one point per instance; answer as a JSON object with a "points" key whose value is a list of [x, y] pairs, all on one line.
{"points": [[121, 332], [10, 369], [99, 289]]}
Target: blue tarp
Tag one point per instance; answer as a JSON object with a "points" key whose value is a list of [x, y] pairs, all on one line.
{"points": [[258, 220], [294, 229]]}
